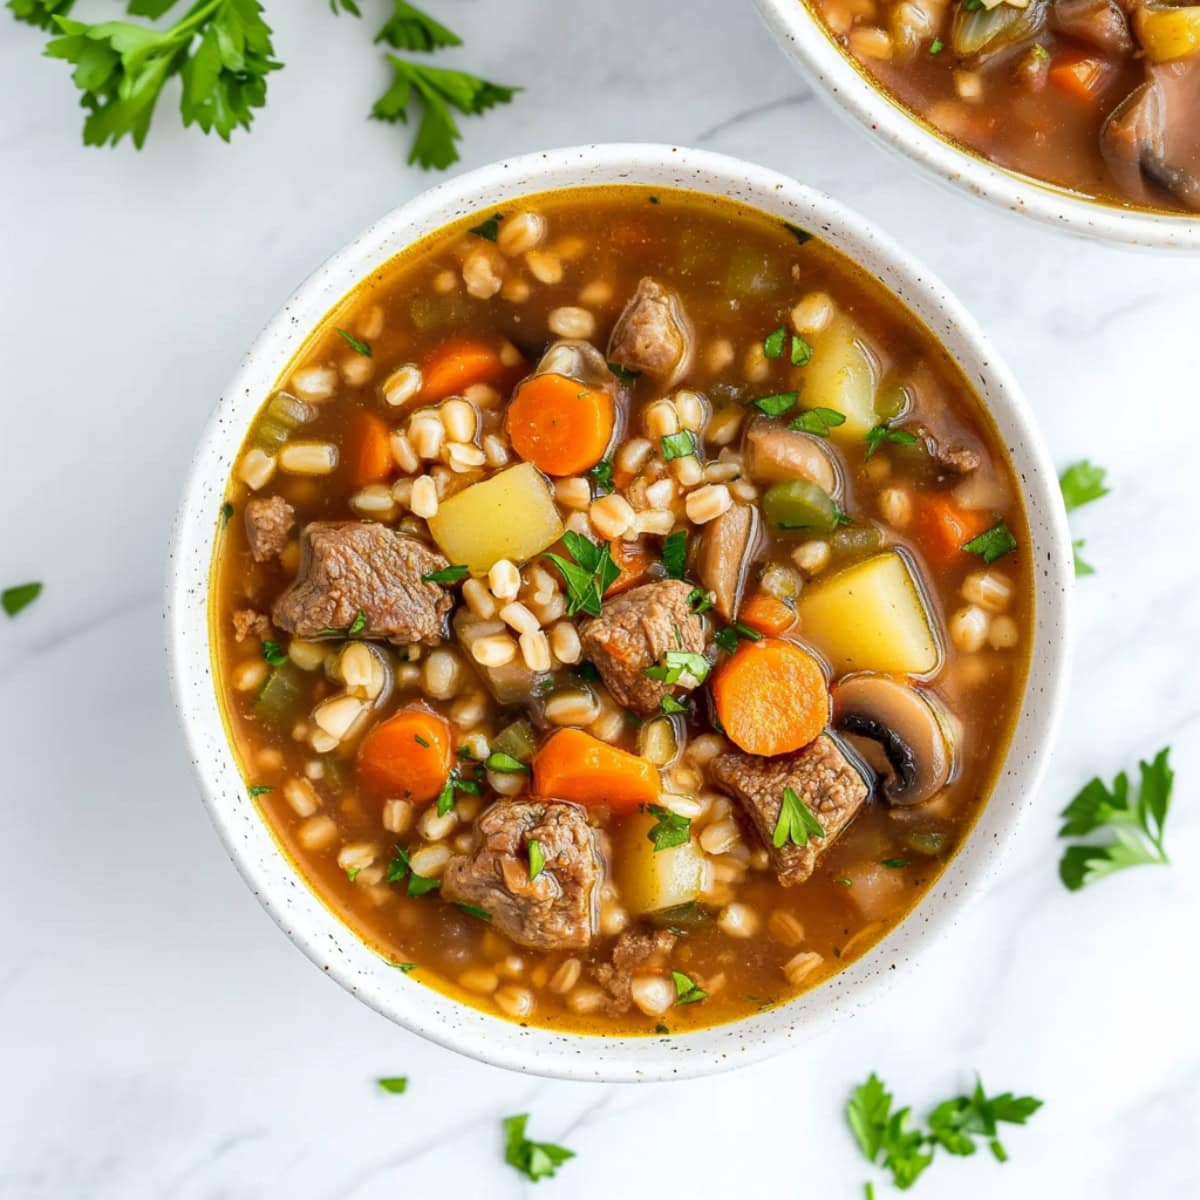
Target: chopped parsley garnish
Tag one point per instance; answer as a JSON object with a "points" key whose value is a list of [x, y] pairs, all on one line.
{"points": [[537, 858], [818, 421], [885, 1138], [802, 235], [1082, 568], [675, 663], [669, 706], [355, 344], [601, 476], [589, 576], [395, 1084], [505, 764], [400, 869], [992, 544], [420, 740], [699, 601], [674, 553], [438, 90], [936, 46], [489, 229], [356, 627], [687, 990], [226, 513], [895, 864], [14, 599], [778, 404], [535, 1160], [670, 829], [774, 341], [454, 783], [802, 352], [275, 655], [844, 881], [408, 28], [624, 374], [1136, 826], [882, 433], [972, 5], [1082, 483], [796, 823], [729, 637], [257, 790], [678, 445], [473, 910], [405, 968], [452, 574], [352, 873]]}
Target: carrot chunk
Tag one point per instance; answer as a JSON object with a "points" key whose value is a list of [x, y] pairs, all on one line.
{"points": [[368, 449], [458, 363], [942, 526], [633, 560], [771, 697], [766, 614], [560, 425], [408, 755], [573, 765], [1080, 75]]}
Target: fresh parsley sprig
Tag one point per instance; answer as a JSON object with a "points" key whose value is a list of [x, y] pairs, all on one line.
{"points": [[880, 434], [587, 578], [408, 28], [535, 1160], [797, 822], [14, 599], [1082, 483], [669, 830], [1136, 826]]}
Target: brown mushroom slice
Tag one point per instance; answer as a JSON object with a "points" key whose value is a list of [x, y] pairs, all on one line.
{"points": [[899, 731], [774, 453], [726, 549], [653, 335]]}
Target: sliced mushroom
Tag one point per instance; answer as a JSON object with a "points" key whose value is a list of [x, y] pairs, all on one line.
{"points": [[773, 453], [653, 335], [1099, 22], [726, 548], [898, 730]]}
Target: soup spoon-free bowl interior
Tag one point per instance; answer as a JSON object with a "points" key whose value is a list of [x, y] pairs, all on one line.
{"points": [[271, 875], [846, 87]]}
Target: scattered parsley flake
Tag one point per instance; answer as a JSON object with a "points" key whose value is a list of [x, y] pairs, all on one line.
{"points": [[796, 823], [489, 230], [274, 654], [1082, 568], [882, 433], [409, 28], [674, 553], [669, 706], [675, 664], [420, 740], [587, 578], [936, 46], [802, 352], [895, 864], [802, 235], [505, 764], [699, 601], [452, 574], [357, 625], [678, 445], [226, 513], [818, 421], [473, 910], [624, 374], [535, 1160], [537, 859], [774, 341], [14, 599], [355, 344], [258, 789], [687, 990], [778, 404], [405, 968], [670, 829], [395, 1084], [601, 476], [1082, 483], [993, 543]]}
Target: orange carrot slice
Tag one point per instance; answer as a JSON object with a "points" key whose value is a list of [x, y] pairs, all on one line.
{"points": [[573, 765], [368, 449], [560, 425], [766, 614], [458, 363], [407, 756]]}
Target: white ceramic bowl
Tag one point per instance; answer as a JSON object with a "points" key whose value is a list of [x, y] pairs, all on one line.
{"points": [[848, 90], [297, 910]]}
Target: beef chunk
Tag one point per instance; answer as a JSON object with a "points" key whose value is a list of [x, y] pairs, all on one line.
{"points": [[652, 335], [269, 520], [633, 632], [555, 911], [635, 952], [726, 546], [1099, 22], [354, 567], [956, 460], [246, 622], [823, 775]]}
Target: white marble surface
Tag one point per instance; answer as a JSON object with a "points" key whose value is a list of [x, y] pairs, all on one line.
{"points": [[158, 1035]]}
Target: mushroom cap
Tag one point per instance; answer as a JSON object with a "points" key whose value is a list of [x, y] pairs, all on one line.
{"points": [[903, 722]]}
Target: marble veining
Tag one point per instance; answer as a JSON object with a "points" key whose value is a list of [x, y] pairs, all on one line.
{"points": [[160, 1038]]}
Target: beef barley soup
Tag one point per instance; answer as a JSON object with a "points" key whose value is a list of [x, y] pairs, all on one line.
{"points": [[1100, 96], [621, 611]]}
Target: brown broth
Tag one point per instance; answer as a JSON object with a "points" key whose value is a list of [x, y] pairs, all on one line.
{"points": [[739, 273]]}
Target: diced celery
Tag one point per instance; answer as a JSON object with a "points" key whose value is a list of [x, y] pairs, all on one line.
{"points": [[517, 740], [800, 505], [283, 695]]}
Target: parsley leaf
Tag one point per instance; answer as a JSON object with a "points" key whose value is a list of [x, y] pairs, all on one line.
{"points": [[14, 599], [355, 344], [1081, 483], [1082, 568], [796, 822], [473, 910], [675, 664], [802, 352], [955, 1123], [395, 1084], [992, 544], [1136, 826], [226, 513], [669, 830], [818, 421], [274, 654], [409, 28], [257, 790], [41, 12], [489, 230], [895, 864], [357, 625], [687, 990], [936, 46], [399, 869], [221, 49], [601, 476], [505, 764], [802, 235], [773, 342], [439, 91], [454, 783], [674, 553], [404, 968], [778, 404], [537, 858], [729, 637], [678, 445], [882, 433], [867, 1114], [624, 374], [452, 574], [536, 1160], [589, 576], [669, 706], [699, 601]]}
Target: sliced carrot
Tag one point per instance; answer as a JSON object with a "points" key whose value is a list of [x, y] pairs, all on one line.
{"points": [[407, 756], [573, 765], [368, 449], [633, 560], [766, 614], [1080, 75], [771, 697], [942, 526], [560, 425], [458, 363]]}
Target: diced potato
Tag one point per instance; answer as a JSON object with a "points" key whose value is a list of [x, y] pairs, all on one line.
{"points": [[512, 515], [1168, 33], [871, 617], [842, 376], [651, 880]]}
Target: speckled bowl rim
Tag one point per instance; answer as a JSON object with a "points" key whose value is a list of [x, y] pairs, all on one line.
{"points": [[843, 86], [315, 929]]}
